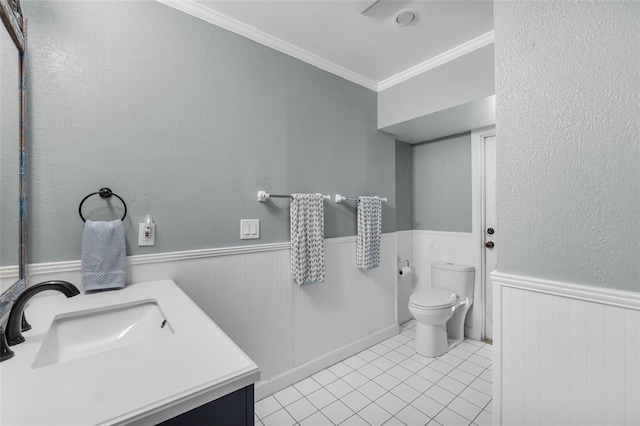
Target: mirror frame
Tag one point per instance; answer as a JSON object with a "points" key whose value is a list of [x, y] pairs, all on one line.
{"points": [[16, 25]]}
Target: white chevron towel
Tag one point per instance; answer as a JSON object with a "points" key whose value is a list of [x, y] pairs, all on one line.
{"points": [[307, 238], [369, 230]]}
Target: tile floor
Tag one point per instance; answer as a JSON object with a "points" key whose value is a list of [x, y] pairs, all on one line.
{"points": [[390, 384]]}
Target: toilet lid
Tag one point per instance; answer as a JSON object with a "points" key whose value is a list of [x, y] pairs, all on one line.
{"points": [[433, 299]]}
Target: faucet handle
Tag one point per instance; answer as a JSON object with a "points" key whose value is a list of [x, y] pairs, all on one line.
{"points": [[5, 352], [24, 324]]}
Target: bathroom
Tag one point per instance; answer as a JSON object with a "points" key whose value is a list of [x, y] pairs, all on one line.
{"points": [[187, 121]]}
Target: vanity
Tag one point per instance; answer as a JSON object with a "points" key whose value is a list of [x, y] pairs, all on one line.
{"points": [[142, 355]]}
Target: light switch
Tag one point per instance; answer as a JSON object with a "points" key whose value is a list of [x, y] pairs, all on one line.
{"points": [[249, 229]]}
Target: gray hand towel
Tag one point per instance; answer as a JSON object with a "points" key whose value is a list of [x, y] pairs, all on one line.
{"points": [[307, 238], [103, 255], [369, 230]]}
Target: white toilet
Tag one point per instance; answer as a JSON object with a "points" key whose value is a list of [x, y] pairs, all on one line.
{"points": [[440, 311]]}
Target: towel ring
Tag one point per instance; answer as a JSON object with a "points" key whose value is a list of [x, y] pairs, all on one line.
{"points": [[103, 193]]}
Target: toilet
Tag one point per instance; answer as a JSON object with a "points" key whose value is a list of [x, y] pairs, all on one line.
{"points": [[440, 311]]}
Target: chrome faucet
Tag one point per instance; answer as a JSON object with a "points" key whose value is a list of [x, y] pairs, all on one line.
{"points": [[17, 323]]}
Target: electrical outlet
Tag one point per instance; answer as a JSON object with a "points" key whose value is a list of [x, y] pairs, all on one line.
{"points": [[146, 235], [249, 229]]}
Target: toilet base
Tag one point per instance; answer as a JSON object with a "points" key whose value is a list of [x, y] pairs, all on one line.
{"points": [[431, 340]]}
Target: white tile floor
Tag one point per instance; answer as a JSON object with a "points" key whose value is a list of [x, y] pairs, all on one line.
{"points": [[390, 384]]}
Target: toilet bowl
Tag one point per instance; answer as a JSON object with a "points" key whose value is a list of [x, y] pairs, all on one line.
{"points": [[440, 310]]}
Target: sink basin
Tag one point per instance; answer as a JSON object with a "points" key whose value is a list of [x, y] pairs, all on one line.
{"points": [[83, 333]]}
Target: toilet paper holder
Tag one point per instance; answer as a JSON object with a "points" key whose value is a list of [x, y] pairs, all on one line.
{"points": [[403, 267]]}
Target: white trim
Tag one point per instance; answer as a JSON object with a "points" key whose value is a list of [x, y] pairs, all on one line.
{"points": [[202, 12], [270, 386], [143, 259], [54, 267], [212, 252], [478, 209], [443, 233], [497, 351], [477, 215], [405, 232], [7, 272], [436, 61], [10, 271], [587, 293], [235, 26]]}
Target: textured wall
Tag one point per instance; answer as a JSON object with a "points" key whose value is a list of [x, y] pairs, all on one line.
{"points": [[404, 186], [568, 114], [442, 184], [9, 160], [186, 121]]}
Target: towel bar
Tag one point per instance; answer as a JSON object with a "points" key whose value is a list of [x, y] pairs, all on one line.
{"points": [[341, 198], [264, 196], [103, 193]]}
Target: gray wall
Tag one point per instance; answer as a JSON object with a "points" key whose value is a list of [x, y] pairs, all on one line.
{"points": [[186, 121], [442, 184], [404, 186], [568, 91]]}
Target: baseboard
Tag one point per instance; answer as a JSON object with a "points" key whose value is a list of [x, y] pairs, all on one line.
{"points": [[270, 386]]}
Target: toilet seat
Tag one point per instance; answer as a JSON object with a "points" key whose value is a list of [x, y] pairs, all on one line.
{"points": [[433, 299]]}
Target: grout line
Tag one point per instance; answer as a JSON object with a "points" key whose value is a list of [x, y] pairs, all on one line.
{"points": [[277, 402], [457, 395], [409, 344]]}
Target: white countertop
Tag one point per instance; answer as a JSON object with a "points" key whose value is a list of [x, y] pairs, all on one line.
{"points": [[144, 383]]}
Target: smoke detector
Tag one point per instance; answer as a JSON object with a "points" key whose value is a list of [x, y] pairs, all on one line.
{"points": [[406, 17]]}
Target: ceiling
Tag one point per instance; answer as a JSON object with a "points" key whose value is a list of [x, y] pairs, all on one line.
{"points": [[368, 48]]}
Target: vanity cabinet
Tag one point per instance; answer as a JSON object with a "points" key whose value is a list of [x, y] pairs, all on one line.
{"points": [[234, 409]]}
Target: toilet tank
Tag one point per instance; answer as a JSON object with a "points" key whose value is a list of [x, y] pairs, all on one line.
{"points": [[453, 277]]}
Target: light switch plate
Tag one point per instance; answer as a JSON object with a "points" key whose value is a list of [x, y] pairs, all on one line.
{"points": [[249, 229]]}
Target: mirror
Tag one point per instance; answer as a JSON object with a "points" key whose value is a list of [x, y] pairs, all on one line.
{"points": [[13, 248]]}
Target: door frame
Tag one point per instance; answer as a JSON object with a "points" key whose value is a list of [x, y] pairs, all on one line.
{"points": [[478, 137]]}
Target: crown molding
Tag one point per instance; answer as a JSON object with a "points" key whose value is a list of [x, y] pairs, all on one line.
{"points": [[436, 61], [202, 12]]}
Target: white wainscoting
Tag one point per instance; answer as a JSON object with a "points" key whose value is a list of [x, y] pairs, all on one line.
{"points": [[289, 331], [564, 354], [456, 247], [405, 284]]}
